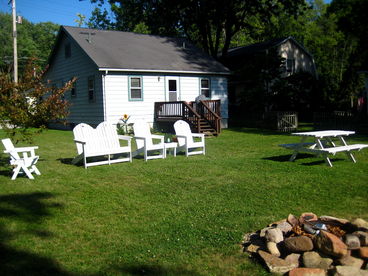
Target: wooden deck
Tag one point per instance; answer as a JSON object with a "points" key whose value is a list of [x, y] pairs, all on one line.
{"points": [[203, 116]]}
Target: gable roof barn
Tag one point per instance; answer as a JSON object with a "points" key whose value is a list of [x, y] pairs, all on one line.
{"points": [[124, 51], [263, 46]]}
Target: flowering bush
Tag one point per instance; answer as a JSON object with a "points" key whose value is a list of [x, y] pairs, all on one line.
{"points": [[123, 126]]}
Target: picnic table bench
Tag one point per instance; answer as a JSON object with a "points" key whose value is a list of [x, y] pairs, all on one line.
{"points": [[324, 144]]}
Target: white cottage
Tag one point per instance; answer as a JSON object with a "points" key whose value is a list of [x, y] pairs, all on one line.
{"points": [[127, 73]]}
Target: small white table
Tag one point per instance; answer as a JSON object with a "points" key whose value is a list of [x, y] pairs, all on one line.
{"points": [[324, 144], [169, 146]]}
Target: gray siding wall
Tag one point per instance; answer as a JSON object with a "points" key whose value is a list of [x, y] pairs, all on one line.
{"points": [[80, 66]]}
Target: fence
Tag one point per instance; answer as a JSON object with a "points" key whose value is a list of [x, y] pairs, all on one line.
{"points": [[335, 120], [284, 121]]}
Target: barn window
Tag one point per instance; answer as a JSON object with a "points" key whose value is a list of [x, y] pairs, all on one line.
{"points": [[135, 89], [91, 88], [206, 87], [67, 50], [290, 65]]}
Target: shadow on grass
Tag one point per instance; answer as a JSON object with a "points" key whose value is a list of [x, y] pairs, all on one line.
{"points": [[30, 210], [144, 269], [286, 158], [259, 131]]}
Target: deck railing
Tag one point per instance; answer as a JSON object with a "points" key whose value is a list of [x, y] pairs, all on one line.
{"points": [[177, 111]]}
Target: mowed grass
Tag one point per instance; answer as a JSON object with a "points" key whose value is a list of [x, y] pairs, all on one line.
{"points": [[178, 216]]}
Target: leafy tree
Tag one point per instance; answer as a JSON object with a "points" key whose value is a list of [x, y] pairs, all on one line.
{"points": [[30, 102], [212, 23], [35, 41], [352, 20]]}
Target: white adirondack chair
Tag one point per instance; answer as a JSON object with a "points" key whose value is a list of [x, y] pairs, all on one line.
{"points": [[145, 141], [25, 164], [100, 142], [186, 139]]}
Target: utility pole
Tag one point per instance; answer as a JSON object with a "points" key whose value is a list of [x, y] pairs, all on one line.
{"points": [[15, 51]]}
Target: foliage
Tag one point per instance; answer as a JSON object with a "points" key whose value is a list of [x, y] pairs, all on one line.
{"points": [[30, 103], [35, 41], [173, 216], [212, 24]]}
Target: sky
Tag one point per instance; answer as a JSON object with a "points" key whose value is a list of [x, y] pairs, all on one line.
{"points": [[62, 12]]}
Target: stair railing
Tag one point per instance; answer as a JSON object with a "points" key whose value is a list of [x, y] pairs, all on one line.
{"points": [[210, 113]]}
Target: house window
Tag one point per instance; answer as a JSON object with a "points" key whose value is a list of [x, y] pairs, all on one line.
{"points": [[205, 87], [290, 65], [135, 89], [91, 88], [73, 90], [68, 50]]}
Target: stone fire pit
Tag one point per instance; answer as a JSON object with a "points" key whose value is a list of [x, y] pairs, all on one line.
{"points": [[311, 245]]}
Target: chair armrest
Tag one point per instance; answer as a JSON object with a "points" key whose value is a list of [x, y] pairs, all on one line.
{"points": [[80, 141], [140, 137], [197, 135], [124, 137], [160, 137], [23, 149]]}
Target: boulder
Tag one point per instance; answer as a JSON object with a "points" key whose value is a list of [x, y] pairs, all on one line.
{"points": [[303, 271], [285, 227], [360, 223], [363, 252], [349, 271], [272, 248], [363, 237], [305, 217], [274, 235], [275, 264], [330, 244], [298, 244], [352, 241], [293, 220], [351, 261], [313, 259]]}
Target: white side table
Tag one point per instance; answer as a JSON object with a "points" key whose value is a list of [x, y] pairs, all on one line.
{"points": [[169, 146]]}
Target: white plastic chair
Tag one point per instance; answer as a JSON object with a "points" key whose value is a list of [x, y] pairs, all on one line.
{"points": [[186, 139], [100, 142], [145, 141], [25, 164]]}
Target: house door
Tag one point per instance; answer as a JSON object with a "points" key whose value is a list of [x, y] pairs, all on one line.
{"points": [[172, 89]]}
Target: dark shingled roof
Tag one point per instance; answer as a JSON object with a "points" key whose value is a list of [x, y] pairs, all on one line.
{"points": [[261, 47], [125, 51]]}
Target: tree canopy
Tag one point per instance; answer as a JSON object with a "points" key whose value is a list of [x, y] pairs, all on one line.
{"points": [[212, 24], [35, 41]]}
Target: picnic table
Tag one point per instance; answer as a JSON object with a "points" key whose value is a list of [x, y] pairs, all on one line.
{"points": [[324, 143]]}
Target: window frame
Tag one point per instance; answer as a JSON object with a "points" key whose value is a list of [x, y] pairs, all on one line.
{"points": [[205, 88], [130, 88], [93, 98], [67, 50]]}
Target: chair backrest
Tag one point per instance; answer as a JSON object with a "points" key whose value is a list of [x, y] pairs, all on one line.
{"points": [[103, 137], [142, 129], [8, 145], [86, 133], [182, 128], [108, 134]]}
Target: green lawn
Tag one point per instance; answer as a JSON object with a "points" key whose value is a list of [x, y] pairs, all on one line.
{"points": [[178, 216]]}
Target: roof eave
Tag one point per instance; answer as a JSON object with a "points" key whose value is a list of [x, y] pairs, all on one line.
{"points": [[163, 71]]}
